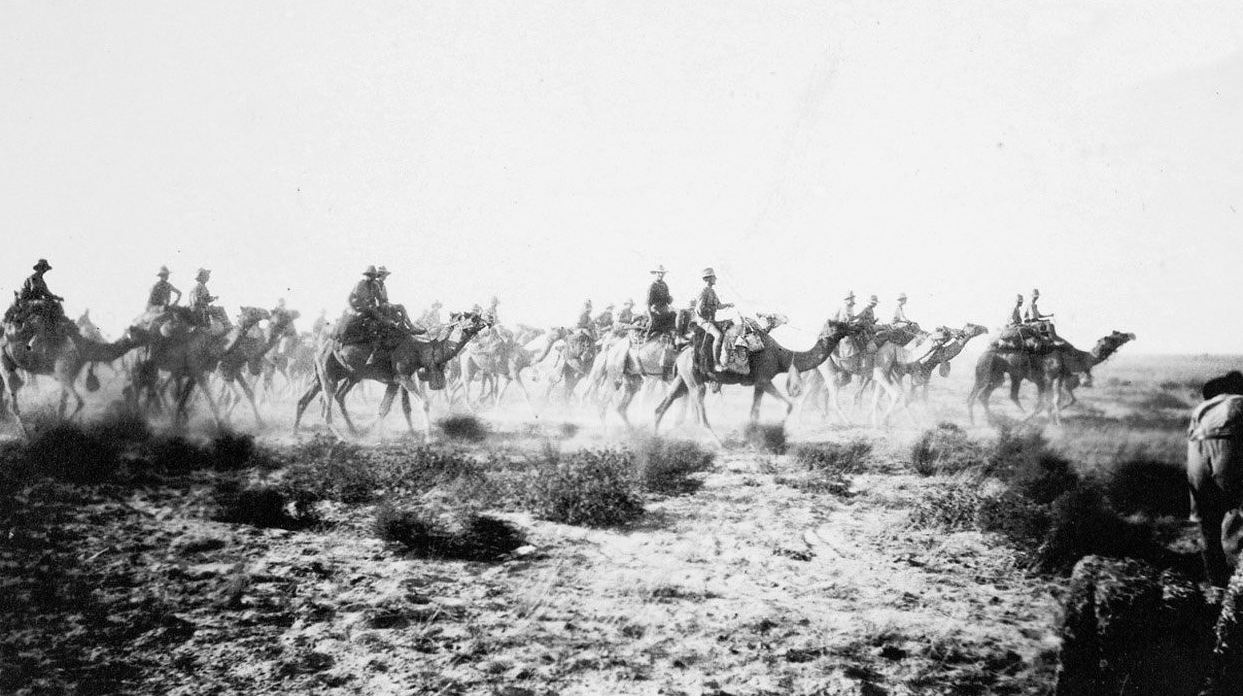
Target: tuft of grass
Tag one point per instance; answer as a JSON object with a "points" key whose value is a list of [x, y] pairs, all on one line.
{"points": [[1148, 486], [68, 452], [842, 458], [946, 450], [949, 508], [766, 437], [666, 466], [594, 488], [464, 428], [260, 506], [428, 532]]}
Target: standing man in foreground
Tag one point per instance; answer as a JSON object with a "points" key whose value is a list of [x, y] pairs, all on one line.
{"points": [[1215, 473]]}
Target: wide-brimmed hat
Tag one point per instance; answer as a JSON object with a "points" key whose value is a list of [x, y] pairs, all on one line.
{"points": [[628, 303], [850, 296], [873, 299], [1019, 297], [163, 271], [370, 271], [1035, 291], [43, 265], [609, 306], [901, 296], [659, 269], [383, 271], [708, 273], [202, 273]]}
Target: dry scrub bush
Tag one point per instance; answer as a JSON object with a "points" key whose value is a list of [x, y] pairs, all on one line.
{"points": [[330, 469], [946, 450], [950, 508], [666, 466], [463, 428], [433, 532], [766, 438], [835, 457], [261, 506], [594, 488], [68, 452], [1046, 510], [1156, 401], [1149, 487]]}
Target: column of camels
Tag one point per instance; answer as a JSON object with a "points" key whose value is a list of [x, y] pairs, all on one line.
{"points": [[473, 363]]}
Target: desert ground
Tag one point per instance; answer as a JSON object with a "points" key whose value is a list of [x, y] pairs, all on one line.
{"points": [[825, 558]]}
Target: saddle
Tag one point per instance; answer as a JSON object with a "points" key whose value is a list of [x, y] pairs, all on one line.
{"points": [[1027, 338], [741, 340]]}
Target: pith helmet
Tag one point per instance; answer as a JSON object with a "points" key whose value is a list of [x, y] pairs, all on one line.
{"points": [[708, 273], [163, 273], [42, 265], [371, 271], [660, 268], [382, 271], [202, 274]]}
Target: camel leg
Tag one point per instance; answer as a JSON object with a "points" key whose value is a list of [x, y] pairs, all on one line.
{"points": [[405, 411], [12, 382], [250, 396], [771, 389], [679, 390], [630, 387], [305, 401], [413, 389], [211, 403], [345, 413]]}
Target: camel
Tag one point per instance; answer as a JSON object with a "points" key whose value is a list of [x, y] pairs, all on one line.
{"points": [[625, 366], [247, 354], [340, 367], [849, 360], [505, 360], [63, 361], [765, 364], [577, 355], [893, 363], [189, 355], [1060, 365]]}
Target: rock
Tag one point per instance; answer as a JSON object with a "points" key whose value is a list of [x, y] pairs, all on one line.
{"points": [[1134, 629]]}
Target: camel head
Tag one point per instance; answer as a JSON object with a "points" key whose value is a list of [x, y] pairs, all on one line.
{"points": [[970, 331], [249, 316], [1107, 345]]}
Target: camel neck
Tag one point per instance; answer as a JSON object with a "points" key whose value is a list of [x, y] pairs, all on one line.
{"points": [[809, 359]]}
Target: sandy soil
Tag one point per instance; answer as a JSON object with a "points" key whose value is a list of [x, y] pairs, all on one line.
{"points": [[747, 586]]}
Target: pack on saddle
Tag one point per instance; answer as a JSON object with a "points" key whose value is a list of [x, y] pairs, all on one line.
{"points": [[36, 318], [1031, 337], [740, 340]]}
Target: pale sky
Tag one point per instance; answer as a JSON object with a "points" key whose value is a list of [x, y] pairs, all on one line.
{"points": [[548, 152]]}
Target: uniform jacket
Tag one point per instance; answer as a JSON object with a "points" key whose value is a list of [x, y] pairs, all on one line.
{"points": [[1219, 417], [200, 298], [35, 288], [658, 295], [365, 296], [707, 304], [162, 294]]}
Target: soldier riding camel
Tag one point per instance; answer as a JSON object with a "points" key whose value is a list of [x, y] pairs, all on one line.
{"points": [[626, 315], [35, 301], [705, 316], [661, 319]]}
